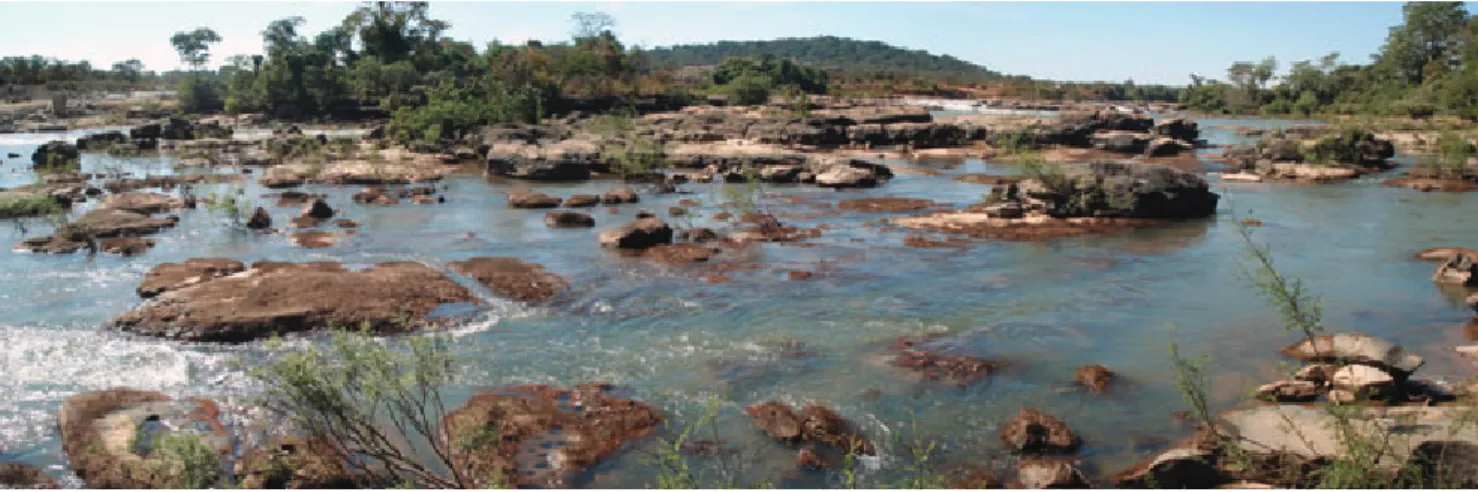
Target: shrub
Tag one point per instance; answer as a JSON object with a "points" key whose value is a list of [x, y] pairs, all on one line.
{"points": [[27, 205], [201, 95], [748, 91]]}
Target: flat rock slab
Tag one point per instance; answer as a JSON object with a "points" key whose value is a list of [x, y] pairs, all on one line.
{"points": [[143, 203], [1272, 428], [277, 298], [173, 276], [885, 204], [512, 278]]}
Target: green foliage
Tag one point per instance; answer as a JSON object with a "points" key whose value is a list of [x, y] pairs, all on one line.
{"points": [[29, 205], [201, 95], [1190, 378], [233, 204], [1451, 160], [771, 71], [831, 53], [185, 461], [748, 91], [194, 46], [369, 396]]}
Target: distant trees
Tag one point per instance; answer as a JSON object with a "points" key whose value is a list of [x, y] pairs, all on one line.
{"points": [[198, 94], [844, 57]]}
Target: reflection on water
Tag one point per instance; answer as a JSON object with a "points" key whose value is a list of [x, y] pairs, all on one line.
{"points": [[677, 341]]}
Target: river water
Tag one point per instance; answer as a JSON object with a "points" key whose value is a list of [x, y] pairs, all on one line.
{"points": [[671, 339]]}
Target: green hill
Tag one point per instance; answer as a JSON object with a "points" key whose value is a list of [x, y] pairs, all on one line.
{"points": [[828, 52]]}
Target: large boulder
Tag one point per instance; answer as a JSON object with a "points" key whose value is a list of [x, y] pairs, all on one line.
{"points": [[1178, 129], [1459, 269], [101, 141], [56, 154], [531, 199], [1110, 189], [278, 298], [512, 278], [542, 436], [813, 424], [1121, 141], [1356, 348], [143, 203], [1031, 431], [174, 276], [639, 234], [110, 436]]}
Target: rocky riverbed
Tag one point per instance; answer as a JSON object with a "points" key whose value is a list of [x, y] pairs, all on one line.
{"points": [[821, 278]]}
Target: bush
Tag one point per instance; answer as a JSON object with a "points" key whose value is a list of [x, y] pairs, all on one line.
{"points": [[201, 95], [29, 205], [748, 91]]}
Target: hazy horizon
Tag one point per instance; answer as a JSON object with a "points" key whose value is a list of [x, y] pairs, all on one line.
{"points": [[1149, 42]]}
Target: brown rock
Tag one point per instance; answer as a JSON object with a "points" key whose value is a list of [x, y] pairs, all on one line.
{"points": [[568, 219], [988, 179], [143, 203], [885, 204], [315, 239], [346, 223], [512, 278], [1095, 377], [277, 298], [20, 476], [295, 463], [677, 254], [101, 434], [640, 234], [799, 275], [621, 195], [305, 222], [956, 370], [126, 246], [807, 459], [1033, 432], [259, 219], [1035, 472], [531, 199], [814, 424], [173, 276], [716, 278], [579, 201], [540, 436]]}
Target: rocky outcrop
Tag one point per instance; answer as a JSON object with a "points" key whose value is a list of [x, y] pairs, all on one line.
{"points": [[1094, 377], [100, 223], [568, 219], [56, 154], [639, 234], [143, 203], [1356, 348], [174, 276], [531, 199], [541, 436], [22, 476], [814, 424], [1459, 269], [279, 298], [259, 219], [512, 278], [1031, 431], [109, 437]]}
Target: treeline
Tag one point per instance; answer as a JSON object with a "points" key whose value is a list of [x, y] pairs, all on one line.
{"points": [[52, 73], [1428, 65], [844, 57]]}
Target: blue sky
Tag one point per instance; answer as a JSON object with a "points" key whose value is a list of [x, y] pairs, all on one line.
{"points": [[1151, 42]]}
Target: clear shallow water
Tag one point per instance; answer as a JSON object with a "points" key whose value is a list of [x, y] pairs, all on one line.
{"points": [[676, 341]]}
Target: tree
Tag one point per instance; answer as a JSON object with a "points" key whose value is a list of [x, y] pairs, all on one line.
{"points": [[394, 31], [589, 25], [129, 70], [1430, 31], [194, 46]]}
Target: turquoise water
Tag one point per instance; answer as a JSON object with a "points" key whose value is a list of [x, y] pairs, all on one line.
{"points": [[676, 341]]}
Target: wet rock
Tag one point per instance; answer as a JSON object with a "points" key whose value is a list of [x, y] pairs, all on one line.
{"points": [[796, 275], [1031, 431], [807, 459], [125, 246], [315, 239], [1009, 210], [172, 276], [1357, 348], [304, 222], [955, 370], [1444, 254], [1166, 147], [568, 219], [639, 234], [1182, 129], [512, 278], [143, 203], [108, 437], [346, 223], [1035, 472], [1120, 141], [620, 195], [531, 199], [846, 177], [21, 476], [1180, 468], [885, 204], [294, 463], [716, 278], [677, 254], [580, 201], [698, 235], [279, 298], [1095, 377], [1290, 391], [541, 436], [318, 210], [1319, 374], [813, 424], [99, 223], [1364, 382], [1457, 270], [259, 219], [988, 179]]}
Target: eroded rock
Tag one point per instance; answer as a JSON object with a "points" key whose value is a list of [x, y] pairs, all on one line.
{"points": [[1032, 431], [512, 278], [640, 234]]}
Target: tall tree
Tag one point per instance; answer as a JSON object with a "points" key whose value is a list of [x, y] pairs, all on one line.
{"points": [[1424, 44], [194, 46]]}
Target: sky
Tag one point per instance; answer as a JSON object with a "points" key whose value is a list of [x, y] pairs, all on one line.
{"points": [[1149, 42]]}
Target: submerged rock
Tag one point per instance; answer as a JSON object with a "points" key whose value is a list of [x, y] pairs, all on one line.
{"points": [[1031, 431], [541, 436], [512, 278], [279, 298], [259, 219], [813, 424], [1095, 377], [677, 254], [568, 219]]}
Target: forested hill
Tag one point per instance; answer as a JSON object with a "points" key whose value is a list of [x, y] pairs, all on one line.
{"points": [[829, 52]]}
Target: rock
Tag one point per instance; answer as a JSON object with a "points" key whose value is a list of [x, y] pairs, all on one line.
{"points": [[1266, 428], [1166, 147], [99, 223], [173, 276], [1032, 432], [101, 141], [318, 210], [1179, 129], [797, 275], [21, 476], [846, 177], [1445, 464], [512, 278], [144, 203], [813, 424], [955, 370], [568, 219], [1365, 382], [885, 204], [294, 463], [1242, 177], [531, 199], [1289, 391], [315, 240], [541, 436], [698, 235], [279, 298], [1035, 472], [346, 223], [259, 219], [1457, 270], [56, 154], [1319, 374], [126, 246], [1357, 348], [620, 195], [1444, 254], [107, 436], [1095, 377], [807, 459], [1180, 468], [1121, 141], [640, 234], [1008, 210], [151, 130], [579, 201], [680, 253]]}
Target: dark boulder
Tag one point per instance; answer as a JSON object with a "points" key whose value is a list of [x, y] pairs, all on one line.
{"points": [[639, 234], [1031, 431]]}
